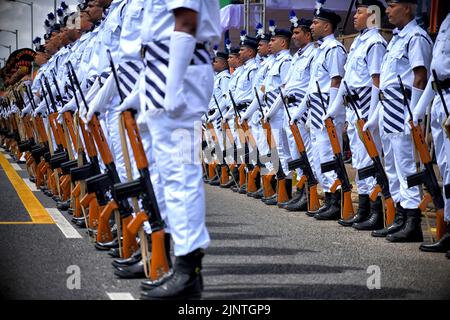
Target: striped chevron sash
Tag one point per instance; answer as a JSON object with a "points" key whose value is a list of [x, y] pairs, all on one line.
{"points": [[294, 100], [394, 110], [156, 63], [315, 105], [362, 97], [128, 75]]}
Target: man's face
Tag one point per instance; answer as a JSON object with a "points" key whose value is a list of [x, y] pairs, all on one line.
{"points": [[85, 22], [233, 61], [360, 18], [40, 58], [263, 48], [95, 12], [396, 13], [319, 28], [246, 53], [276, 44], [300, 37], [219, 64], [102, 3]]}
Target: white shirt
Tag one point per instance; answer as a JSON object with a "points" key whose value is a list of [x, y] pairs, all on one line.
{"points": [[244, 91], [130, 37], [220, 91], [441, 51], [159, 22], [299, 73], [409, 48], [278, 71], [328, 63], [264, 67], [364, 59]]}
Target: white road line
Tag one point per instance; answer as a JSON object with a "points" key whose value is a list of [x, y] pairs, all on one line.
{"points": [[7, 156], [64, 225], [120, 296], [30, 184], [16, 167]]}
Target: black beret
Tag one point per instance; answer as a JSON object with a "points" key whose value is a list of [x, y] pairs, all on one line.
{"points": [[250, 42], [282, 33], [367, 3], [222, 55], [402, 1], [328, 15], [235, 51]]}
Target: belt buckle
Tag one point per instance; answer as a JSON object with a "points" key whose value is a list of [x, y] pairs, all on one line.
{"points": [[381, 96]]}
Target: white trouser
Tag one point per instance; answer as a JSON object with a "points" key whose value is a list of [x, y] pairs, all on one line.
{"points": [[293, 151], [176, 149], [322, 152], [399, 163], [360, 157], [158, 186], [440, 141], [278, 125]]}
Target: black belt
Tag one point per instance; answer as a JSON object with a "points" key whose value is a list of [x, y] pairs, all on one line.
{"points": [[444, 84], [242, 106]]}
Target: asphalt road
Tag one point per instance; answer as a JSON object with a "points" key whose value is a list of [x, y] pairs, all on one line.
{"points": [[257, 252]]}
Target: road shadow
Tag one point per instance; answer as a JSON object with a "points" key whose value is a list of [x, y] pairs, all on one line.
{"points": [[254, 251], [237, 236]]}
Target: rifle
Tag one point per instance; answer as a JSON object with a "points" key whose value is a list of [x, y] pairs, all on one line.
{"points": [[427, 176], [337, 165], [376, 169], [266, 179], [241, 134], [303, 163], [143, 188], [104, 233], [282, 194]]}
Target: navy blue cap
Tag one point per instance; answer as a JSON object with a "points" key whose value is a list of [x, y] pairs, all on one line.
{"points": [[327, 15]]}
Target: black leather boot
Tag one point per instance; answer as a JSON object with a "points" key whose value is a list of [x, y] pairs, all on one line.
{"points": [[215, 181], [186, 282], [271, 201], [412, 229], [361, 215], [103, 246], [399, 221], [301, 204], [326, 205], [442, 245], [243, 189], [257, 195], [334, 211], [375, 219], [295, 198], [63, 206]]}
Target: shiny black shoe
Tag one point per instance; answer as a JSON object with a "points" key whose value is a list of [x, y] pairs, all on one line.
{"points": [[70, 211], [296, 198], [135, 257], [32, 179], [215, 181], [334, 211], [104, 246], [375, 219], [81, 224], [114, 253], [300, 205], [397, 225], [271, 201], [326, 205], [228, 185], [257, 195], [152, 284], [362, 213], [243, 189], [134, 271], [411, 231], [443, 245], [63, 206], [186, 282], [57, 199], [235, 188]]}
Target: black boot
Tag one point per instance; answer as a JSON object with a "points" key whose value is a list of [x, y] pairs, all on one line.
{"points": [[411, 231], [326, 205], [442, 245], [361, 215], [301, 204], [215, 181], [271, 201], [257, 195], [295, 198], [375, 219], [243, 189], [399, 221], [334, 211], [135, 258], [63, 206], [186, 282]]}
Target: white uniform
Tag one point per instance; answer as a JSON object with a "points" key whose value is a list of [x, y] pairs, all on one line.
{"points": [[364, 61], [328, 63], [408, 49], [176, 142]]}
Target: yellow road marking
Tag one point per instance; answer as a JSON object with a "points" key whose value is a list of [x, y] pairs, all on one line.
{"points": [[35, 209]]}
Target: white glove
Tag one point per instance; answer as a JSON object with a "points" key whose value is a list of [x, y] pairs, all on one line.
{"points": [[419, 109], [182, 46], [69, 106], [374, 100], [132, 101], [26, 110], [102, 97], [254, 105], [276, 105], [335, 105], [60, 118], [372, 122], [42, 108], [300, 111], [333, 95], [229, 115]]}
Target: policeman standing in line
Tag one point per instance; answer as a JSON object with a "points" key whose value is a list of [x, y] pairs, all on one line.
{"points": [[328, 70], [408, 56], [362, 75], [180, 30], [441, 64]]}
